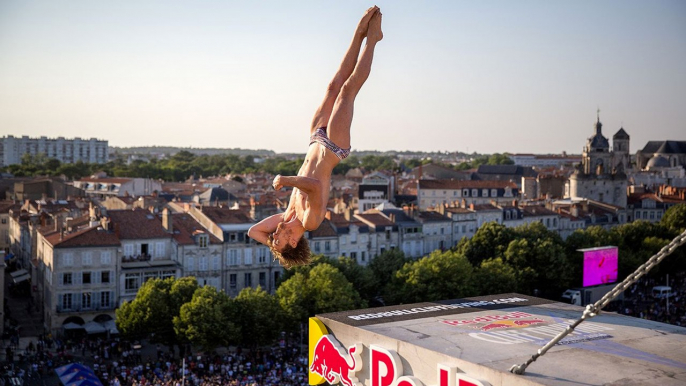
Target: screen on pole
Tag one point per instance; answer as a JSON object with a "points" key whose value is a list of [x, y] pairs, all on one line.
{"points": [[600, 265]]}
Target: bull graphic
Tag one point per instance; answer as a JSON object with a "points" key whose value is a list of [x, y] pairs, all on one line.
{"points": [[330, 361]]}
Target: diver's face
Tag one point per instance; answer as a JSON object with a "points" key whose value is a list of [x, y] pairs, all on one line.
{"points": [[282, 236]]}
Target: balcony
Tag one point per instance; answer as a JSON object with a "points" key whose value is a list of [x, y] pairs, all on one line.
{"points": [[79, 309], [136, 258]]}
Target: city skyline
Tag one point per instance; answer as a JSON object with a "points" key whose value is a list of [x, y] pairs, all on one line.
{"points": [[524, 77]]}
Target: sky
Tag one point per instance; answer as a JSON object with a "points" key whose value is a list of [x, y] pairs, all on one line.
{"points": [[471, 76]]}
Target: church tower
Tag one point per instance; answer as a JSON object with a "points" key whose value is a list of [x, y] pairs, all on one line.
{"points": [[600, 176], [620, 150]]}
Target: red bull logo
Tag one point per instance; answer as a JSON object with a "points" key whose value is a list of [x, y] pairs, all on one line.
{"points": [[330, 362], [511, 324], [495, 322], [333, 363]]}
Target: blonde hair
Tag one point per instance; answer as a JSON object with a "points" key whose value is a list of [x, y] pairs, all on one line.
{"points": [[292, 256]]}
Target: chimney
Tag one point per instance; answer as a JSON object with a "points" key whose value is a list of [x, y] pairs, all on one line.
{"points": [[328, 215], [167, 220], [392, 217], [471, 205], [419, 172], [348, 213]]}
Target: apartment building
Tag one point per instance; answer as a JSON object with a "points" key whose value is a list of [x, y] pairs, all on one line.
{"points": [[432, 193], [75, 276], [247, 263], [103, 187], [92, 150], [145, 252]]}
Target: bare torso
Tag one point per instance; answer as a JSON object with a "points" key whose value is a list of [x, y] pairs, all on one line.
{"points": [[319, 163]]}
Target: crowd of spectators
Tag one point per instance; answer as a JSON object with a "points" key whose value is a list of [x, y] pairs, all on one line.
{"points": [[640, 302], [118, 362]]}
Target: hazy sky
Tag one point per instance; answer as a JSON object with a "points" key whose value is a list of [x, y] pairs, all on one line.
{"points": [[485, 76]]}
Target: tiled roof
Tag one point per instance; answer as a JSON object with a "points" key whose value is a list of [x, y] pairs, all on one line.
{"points": [[185, 226], [5, 206], [89, 237], [221, 215], [325, 229], [429, 216], [375, 218], [485, 207], [458, 210], [453, 184], [136, 224], [537, 211]]}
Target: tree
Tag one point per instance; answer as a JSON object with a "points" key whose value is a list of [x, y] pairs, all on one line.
{"points": [[439, 276], [384, 266], [494, 276], [259, 315], [154, 308], [206, 320], [322, 289], [675, 219], [490, 240]]}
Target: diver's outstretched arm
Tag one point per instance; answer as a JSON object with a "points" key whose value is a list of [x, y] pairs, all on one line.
{"points": [[260, 232]]}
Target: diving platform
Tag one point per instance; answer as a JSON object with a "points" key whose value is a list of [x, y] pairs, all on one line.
{"points": [[475, 341]]}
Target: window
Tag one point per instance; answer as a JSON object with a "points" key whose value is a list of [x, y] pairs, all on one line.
{"points": [[67, 278], [86, 277], [68, 259], [105, 299], [248, 279], [4, 221], [203, 241], [464, 229], [353, 237], [216, 263], [475, 192], [106, 258], [202, 266], [263, 279], [262, 255], [363, 256], [66, 302], [132, 282], [86, 300], [247, 258], [317, 246], [494, 192], [327, 246], [484, 192], [232, 281], [159, 249], [128, 250], [105, 277], [233, 257], [277, 276], [190, 263], [87, 258], [465, 192], [353, 255]]}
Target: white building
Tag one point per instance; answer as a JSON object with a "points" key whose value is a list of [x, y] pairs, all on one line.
{"points": [[75, 276], [92, 150], [118, 187]]}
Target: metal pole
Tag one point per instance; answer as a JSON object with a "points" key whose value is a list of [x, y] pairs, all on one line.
{"points": [[183, 372]]}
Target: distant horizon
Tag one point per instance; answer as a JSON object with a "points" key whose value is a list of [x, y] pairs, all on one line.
{"points": [[450, 75]]}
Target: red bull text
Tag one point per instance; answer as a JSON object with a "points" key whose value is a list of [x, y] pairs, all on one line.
{"points": [[330, 362]]}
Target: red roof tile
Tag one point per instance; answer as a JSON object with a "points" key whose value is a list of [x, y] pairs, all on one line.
{"points": [[226, 216], [185, 226], [89, 237], [136, 224]]}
